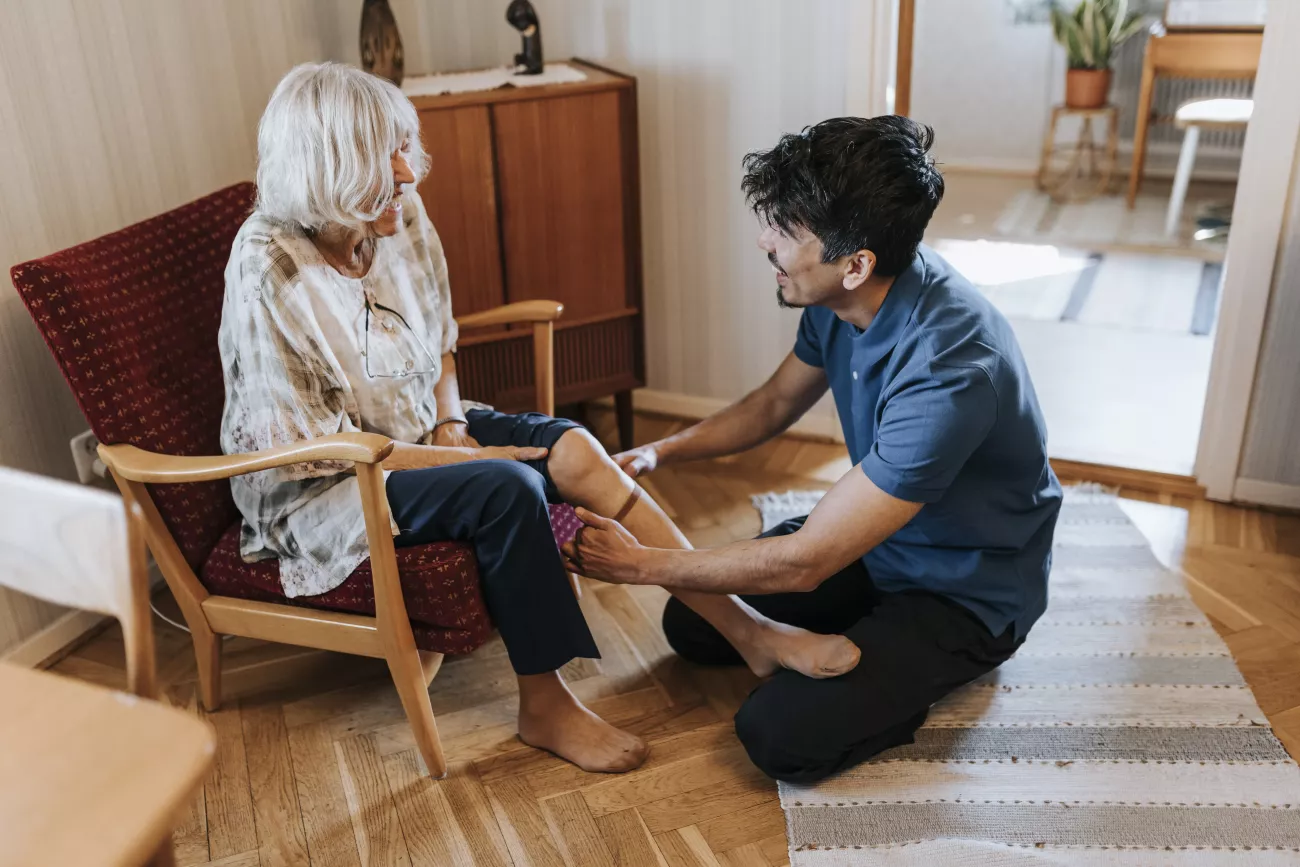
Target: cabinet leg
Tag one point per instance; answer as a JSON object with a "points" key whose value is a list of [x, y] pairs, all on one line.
{"points": [[623, 410], [577, 412]]}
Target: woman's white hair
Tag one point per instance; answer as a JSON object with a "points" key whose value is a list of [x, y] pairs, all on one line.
{"points": [[325, 146]]}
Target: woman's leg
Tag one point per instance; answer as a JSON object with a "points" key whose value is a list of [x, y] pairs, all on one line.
{"points": [[586, 476], [500, 508]]}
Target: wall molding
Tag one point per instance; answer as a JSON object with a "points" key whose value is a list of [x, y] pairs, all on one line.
{"points": [[1262, 493], [52, 639]]}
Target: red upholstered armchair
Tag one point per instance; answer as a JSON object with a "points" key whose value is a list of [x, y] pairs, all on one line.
{"points": [[132, 320]]}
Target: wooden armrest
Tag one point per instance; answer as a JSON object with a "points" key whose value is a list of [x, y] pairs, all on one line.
{"points": [[520, 311], [138, 465]]}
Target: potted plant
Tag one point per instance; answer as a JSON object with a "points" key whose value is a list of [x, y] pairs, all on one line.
{"points": [[1089, 35]]}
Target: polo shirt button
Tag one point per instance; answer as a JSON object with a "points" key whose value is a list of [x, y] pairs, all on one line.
{"points": [[855, 374]]}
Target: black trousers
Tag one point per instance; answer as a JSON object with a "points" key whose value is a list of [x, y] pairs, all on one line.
{"points": [[499, 507], [916, 648]]}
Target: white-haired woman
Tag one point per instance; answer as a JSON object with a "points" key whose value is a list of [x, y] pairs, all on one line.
{"points": [[338, 318]]}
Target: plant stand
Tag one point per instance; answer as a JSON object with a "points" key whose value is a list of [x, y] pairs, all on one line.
{"points": [[1081, 170]]}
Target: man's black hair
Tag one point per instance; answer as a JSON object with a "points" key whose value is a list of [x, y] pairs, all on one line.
{"points": [[856, 183]]}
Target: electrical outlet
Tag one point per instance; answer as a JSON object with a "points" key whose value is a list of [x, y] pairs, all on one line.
{"points": [[85, 456]]}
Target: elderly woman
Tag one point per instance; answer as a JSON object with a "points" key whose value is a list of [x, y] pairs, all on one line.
{"points": [[338, 318]]}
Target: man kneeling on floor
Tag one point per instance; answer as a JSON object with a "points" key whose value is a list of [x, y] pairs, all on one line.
{"points": [[932, 553]]}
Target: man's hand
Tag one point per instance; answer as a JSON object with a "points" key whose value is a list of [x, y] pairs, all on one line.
{"points": [[850, 520], [605, 550], [454, 435], [639, 461]]}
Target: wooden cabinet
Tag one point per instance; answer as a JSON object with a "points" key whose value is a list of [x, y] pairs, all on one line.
{"points": [[535, 194]]}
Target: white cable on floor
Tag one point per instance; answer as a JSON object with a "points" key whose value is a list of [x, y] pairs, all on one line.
{"points": [[164, 618], [181, 626]]}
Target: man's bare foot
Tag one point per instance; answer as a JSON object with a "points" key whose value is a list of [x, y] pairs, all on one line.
{"points": [[778, 645], [552, 719]]}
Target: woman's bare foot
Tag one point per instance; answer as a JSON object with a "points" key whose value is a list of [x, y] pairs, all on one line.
{"points": [[776, 645], [552, 719]]}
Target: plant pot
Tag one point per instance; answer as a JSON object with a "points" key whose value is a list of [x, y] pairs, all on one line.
{"points": [[1087, 88]]}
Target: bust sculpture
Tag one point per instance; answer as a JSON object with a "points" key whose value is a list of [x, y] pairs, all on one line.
{"points": [[523, 17]]}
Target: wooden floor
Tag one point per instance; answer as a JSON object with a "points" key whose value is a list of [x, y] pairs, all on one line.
{"points": [[324, 771]]}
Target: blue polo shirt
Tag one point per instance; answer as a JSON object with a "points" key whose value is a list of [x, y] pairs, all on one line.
{"points": [[937, 408]]}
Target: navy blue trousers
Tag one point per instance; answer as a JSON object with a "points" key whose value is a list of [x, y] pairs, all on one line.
{"points": [[916, 648], [499, 507]]}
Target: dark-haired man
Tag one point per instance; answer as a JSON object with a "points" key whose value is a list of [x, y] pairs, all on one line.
{"points": [[932, 553]]}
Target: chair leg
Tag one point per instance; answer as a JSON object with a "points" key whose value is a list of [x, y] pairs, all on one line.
{"points": [[207, 655], [431, 662], [1182, 177], [408, 671], [625, 415]]}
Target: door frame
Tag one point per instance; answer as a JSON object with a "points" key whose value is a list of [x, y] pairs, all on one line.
{"points": [[872, 73], [905, 26], [1258, 215]]}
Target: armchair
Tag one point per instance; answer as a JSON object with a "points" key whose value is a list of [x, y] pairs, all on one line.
{"points": [[132, 320]]}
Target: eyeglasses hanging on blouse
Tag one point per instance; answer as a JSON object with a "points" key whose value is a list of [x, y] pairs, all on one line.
{"points": [[405, 367]]}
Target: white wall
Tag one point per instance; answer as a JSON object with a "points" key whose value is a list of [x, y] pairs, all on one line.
{"points": [[986, 85], [110, 112]]}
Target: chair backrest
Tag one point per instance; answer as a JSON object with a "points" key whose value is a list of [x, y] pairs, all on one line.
{"points": [[78, 547], [132, 321], [63, 543]]}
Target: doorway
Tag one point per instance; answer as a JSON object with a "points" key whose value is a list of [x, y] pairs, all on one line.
{"points": [[1118, 309]]}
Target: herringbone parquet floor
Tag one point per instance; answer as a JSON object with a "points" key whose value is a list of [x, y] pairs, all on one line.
{"points": [[316, 765]]}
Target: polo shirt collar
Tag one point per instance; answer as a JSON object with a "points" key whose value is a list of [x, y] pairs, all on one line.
{"points": [[886, 329]]}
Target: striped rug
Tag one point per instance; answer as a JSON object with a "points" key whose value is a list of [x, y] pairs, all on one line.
{"points": [[1105, 221], [1122, 733], [1131, 290]]}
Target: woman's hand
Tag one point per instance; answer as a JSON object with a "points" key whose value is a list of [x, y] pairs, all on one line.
{"points": [[639, 461], [454, 435], [605, 550]]}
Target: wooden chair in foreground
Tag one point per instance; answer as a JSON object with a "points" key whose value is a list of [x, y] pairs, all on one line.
{"points": [[74, 546], [88, 779], [132, 320]]}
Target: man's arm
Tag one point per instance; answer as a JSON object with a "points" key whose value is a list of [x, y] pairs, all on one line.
{"points": [[854, 517], [754, 419]]}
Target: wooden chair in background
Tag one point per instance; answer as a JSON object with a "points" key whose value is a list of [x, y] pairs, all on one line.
{"points": [[1176, 53], [1192, 117]]}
